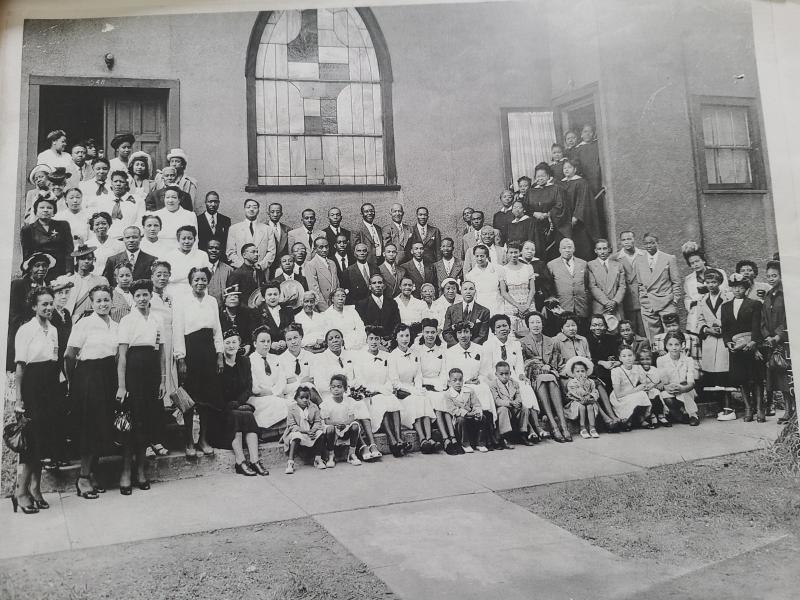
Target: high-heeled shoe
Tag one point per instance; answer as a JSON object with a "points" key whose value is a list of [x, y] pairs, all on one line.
{"points": [[125, 490], [244, 468], [90, 495], [40, 503], [143, 485], [28, 510], [97, 487], [259, 468]]}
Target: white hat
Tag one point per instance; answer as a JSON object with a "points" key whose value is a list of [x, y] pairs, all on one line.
{"points": [[567, 370], [40, 167], [178, 153]]}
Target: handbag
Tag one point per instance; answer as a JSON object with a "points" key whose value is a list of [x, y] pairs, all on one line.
{"points": [[777, 360], [740, 340], [15, 435], [182, 400], [122, 420], [402, 394]]}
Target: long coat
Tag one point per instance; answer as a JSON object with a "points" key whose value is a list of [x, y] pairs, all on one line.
{"points": [[714, 358], [743, 366]]}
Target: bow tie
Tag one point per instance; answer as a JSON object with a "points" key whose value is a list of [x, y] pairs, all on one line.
{"points": [[377, 359], [406, 355], [431, 349]]}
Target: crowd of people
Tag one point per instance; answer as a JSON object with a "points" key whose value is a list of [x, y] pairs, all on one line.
{"points": [[131, 303]]}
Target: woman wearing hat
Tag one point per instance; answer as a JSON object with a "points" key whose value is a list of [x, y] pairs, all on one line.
{"points": [[694, 284], [450, 295], [34, 269], [84, 280], [62, 321], [55, 156], [232, 315], [122, 145], [48, 236], [41, 186], [140, 169]]}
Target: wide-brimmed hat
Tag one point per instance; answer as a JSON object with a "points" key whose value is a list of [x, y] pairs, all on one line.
{"points": [[450, 280], [141, 155], [122, 138], [61, 282], [38, 256], [178, 153], [36, 169], [231, 290], [570, 364], [59, 175], [83, 250]]}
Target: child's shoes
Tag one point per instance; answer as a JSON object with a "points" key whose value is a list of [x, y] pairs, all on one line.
{"points": [[290, 467], [331, 462], [353, 459], [585, 434], [319, 463], [593, 433]]}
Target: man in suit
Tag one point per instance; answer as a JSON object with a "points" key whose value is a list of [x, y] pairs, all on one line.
{"points": [[628, 256], [606, 282], [369, 233], [320, 273], [306, 234], [377, 308], [429, 235], [334, 228], [473, 236], [448, 266], [497, 254], [418, 271], [287, 271], [141, 261], [220, 271], [343, 257], [274, 316], [280, 231], [248, 276], [659, 285], [568, 273], [504, 216], [358, 275], [467, 310], [250, 231], [211, 223], [392, 273], [397, 232]]}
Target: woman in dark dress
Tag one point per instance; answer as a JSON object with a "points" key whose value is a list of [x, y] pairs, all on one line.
{"points": [[603, 348], [141, 375], [775, 338], [38, 393], [741, 331], [235, 316], [584, 218], [34, 269], [48, 236], [547, 205], [62, 321], [588, 154], [522, 227]]}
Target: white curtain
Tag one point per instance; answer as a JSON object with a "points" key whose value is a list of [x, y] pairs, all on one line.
{"points": [[530, 135]]}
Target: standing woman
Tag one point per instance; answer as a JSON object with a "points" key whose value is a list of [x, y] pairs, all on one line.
{"points": [[84, 280], [92, 375], [48, 236], [140, 170], [517, 285], [434, 377], [151, 244], [776, 336], [161, 306], [34, 270], [584, 217], [62, 321], [141, 379], [38, 397], [548, 206], [486, 276], [694, 284], [522, 227], [104, 246], [197, 346]]}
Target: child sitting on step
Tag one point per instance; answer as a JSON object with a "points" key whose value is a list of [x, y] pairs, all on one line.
{"points": [[653, 375], [464, 416], [305, 430], [677, 375], [341, 425], [582, 395]]}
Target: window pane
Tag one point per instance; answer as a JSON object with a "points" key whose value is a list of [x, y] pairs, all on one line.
{"points": [[711, 166], [741, 133], [733, 166], [724, 127]]}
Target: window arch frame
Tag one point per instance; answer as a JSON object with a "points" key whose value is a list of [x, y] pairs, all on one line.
{"points": [[386, 79]]}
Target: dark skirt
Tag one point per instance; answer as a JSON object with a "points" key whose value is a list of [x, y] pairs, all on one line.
{"points": [[44, 406], [744, 368], [203, 384], [142, 379], [94, 390], [241, 421]]}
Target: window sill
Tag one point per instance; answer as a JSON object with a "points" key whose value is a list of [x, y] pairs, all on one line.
{"points": [[737, 192], [324, 188]]}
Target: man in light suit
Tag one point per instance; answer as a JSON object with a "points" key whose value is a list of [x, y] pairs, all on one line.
{"points": [[628, 256], [473, 236], [334, 228], [569, 279], [306, 234], [397, 233], [429, 235], [467, 310], [220, 271], [659, 285], [141, 261], [358, 275], [392, 273], [369, 233], [320, 273], [606, 281], [497, 254], [281, 233], [250, 231], [449, 266], [211, 224]]}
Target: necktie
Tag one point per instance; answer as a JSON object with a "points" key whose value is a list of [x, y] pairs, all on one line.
{"points": [[310, 240], [364, 272], [297, 366], [252, 231], [605, 266], [116, 213], [267, 370], [213, 223], [421, 269], [503, 353], [423, 232], [343, 260], [300, 271], [255, 275], [101, 189], [467, 310], [341, 364], [467, 354], [651, 261], [131, 258]]}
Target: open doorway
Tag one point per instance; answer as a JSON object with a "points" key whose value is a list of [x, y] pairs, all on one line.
{"points": [[76, 110]]}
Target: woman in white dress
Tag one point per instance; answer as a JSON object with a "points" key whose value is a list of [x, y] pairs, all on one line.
{"points": [[183, 259], [151, 244], [334, 360], [434, 377], [428, 294], [345, 319], [371, 367], [517, 284], [269, 381], [173, 216], [104, 245], [76, 216], [140, 171], [486, 277], [450, 288], [410, 308], [313, 324], [405, 375]]}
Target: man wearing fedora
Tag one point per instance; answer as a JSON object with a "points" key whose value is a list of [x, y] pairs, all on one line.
{"points": [[123, 146], [178, 160]]}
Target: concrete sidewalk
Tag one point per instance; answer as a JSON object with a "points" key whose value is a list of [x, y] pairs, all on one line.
{"points": [[410, 520]]}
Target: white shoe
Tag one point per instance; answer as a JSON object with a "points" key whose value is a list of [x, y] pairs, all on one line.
{"points": [[374, 451], [481, 448], [290, 467], [593, 433], [727, 414], [331, 463], [319, 463], [353, 460], [468, 449], [585, 434]]}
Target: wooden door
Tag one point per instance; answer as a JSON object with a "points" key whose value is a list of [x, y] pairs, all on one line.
{"points": [[142, 112]]}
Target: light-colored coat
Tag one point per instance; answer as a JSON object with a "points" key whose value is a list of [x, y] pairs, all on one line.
{"points": [[239, 235], [631, 300], [391, 235], [300, 235], [715, 357], [362, 235], [570, 287], [320, 274], [606, 285], [661, 287]]}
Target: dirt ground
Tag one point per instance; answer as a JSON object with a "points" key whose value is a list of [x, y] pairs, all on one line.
{"points": [[690, 514], [291, 560]]}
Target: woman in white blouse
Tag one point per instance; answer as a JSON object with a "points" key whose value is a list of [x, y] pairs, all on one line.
{"points": [[335, 360], [91, 368], [405, 375], [151, 244], [173, 216], [141, 377], [486, 277], [161, 305], [345, 319], [410, 308], [313, 324], [197, 346], [434, 377], [104, 245], [184, 259], [269, 382], [140, 172], [39, 397]]}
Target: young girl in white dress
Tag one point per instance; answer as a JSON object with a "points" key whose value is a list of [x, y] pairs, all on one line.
{"points": [[630, 397]]}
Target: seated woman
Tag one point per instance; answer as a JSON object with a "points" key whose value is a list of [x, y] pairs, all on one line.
{"points": [[237, 388], [434, 378], [296, 363], [603, 348], [305, 430], [313, 324], [630, 397], [345, 319], [268, 383], [677, 376], [335, 359], [427, 292], [411, 308]]}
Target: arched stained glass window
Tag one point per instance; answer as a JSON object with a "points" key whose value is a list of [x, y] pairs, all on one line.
{"points": [[318, 89]]}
